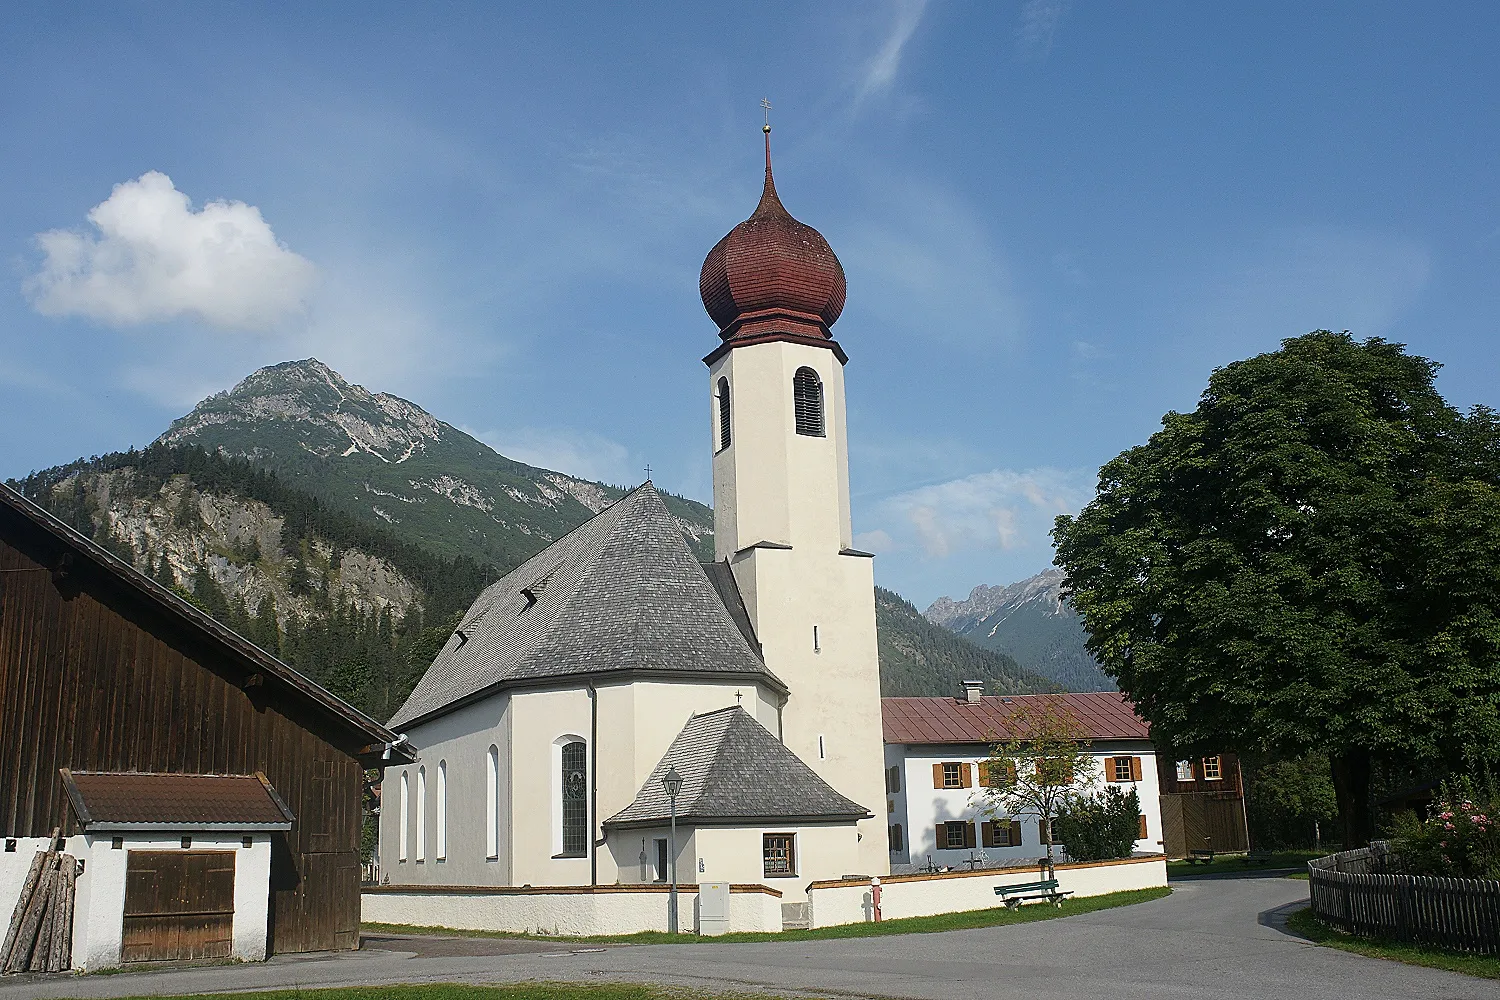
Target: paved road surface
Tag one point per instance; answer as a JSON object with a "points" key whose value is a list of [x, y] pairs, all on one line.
{"points": [[1210, 938]]}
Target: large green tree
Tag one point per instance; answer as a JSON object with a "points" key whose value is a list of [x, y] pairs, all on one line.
{"points": [[1310, 560]]}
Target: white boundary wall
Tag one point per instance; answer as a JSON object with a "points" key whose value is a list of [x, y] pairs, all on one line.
{"points": [[563, 910], [848, 902]]}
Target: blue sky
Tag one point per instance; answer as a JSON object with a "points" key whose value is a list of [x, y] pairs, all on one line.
{"points": [[1056, 219]]}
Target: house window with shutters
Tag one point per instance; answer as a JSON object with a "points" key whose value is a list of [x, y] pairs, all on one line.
{"points": [[1211, 770], [955, 835], [1122, 769], [724, 438], [807, 401], [575, 802], [893, 780], [997, 774], [780, 853], [894, 835], [1002, 833], [952, 774]]}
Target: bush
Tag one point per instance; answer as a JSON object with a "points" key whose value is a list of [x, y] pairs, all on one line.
{"points": [[1100, 826], [1461, 839], [1286, 801]]}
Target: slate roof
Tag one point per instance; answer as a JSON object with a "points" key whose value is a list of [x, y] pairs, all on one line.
{"points": [[733, 769], [1105, 715], [619, 593], [105, 801]]}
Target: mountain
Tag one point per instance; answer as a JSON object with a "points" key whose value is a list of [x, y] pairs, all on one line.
{"points": [[1029, 622], [374, 455], [920, 658]]}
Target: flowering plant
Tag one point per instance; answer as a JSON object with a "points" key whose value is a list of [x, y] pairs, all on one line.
{"points": [[1459, 839]]}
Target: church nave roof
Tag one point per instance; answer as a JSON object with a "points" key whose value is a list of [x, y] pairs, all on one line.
{"points": [[619, 593]]}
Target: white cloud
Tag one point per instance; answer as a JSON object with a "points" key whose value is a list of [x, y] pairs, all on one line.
{"points": [[1039, 21], [582, 454], [880, 71], [152, 258], [1003, 509]]}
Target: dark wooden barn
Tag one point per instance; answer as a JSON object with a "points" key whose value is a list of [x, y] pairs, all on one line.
{"points": [[104, 670]]}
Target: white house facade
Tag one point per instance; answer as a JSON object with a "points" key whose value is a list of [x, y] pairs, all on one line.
{"points": [[935, 753], [545, 727]]}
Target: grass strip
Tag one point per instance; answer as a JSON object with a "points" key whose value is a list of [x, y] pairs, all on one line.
{"points": [[464, 991], [1238, 863], [1310, 927], [997, 917]]}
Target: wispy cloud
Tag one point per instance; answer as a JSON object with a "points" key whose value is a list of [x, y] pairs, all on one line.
{"points": [[1003, 509], [1038, 27], [151, 259], [880, 71]]}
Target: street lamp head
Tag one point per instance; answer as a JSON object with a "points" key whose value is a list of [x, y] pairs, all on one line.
{"points": [[672, 782]]}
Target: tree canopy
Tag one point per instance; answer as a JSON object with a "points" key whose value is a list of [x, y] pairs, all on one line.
{"points": [[1310, 560]]}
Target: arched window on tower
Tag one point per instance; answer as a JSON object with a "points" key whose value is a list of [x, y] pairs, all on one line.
{"points": [[723, 414], [807, 400], [575, 800]]}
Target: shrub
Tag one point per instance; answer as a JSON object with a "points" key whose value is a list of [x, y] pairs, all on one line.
{"points": [[1461, 837], [1099, 826]]}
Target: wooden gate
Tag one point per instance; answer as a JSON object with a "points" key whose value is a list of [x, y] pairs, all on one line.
{"points": [[178, 905], [1202, 823]]}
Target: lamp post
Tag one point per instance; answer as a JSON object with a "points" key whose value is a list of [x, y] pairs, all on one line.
{"points": [[672, 782]]}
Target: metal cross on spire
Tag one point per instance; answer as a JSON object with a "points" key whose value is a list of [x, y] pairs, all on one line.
{"points": [[765, 102], [648, 472]]}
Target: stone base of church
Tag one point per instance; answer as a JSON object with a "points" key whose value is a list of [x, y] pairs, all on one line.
{"points": [[848, 901], [563, 910]]}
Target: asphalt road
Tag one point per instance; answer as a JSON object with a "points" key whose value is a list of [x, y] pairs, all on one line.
{"points": [[1211, 938]]}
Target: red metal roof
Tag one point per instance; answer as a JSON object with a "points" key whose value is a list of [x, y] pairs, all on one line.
{"points": [[137, 801], [1105, 715]]}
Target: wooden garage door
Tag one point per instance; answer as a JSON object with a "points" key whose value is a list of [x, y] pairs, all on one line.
{"points": [[178, 905]]}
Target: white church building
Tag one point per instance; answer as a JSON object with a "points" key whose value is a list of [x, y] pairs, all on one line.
{"points": [[545, 726]]}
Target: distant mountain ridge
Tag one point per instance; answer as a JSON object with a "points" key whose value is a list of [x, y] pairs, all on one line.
{"points": [[1030, 622]]}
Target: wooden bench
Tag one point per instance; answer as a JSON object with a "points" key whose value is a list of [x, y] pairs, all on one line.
{"points": [[1260, 858], [1014, 895], [1200, 858]]}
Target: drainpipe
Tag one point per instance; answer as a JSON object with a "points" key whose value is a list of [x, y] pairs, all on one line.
{"points": [[593, 785]]}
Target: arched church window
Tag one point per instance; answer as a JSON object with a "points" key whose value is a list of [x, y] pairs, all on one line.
{"points": [[421, 814], [492, 802], [723, 414], [575, 800], [442, 810], [403, 816], [807, 401]]}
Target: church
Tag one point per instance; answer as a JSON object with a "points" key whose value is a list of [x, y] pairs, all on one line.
{"points": [[573, 687]]}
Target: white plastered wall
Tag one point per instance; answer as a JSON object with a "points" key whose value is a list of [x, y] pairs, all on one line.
{"points": [[921, 807], [782, 518], [99, 899]]}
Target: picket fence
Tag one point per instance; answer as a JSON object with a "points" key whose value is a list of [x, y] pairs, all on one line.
{"points": [[1357, 891]]}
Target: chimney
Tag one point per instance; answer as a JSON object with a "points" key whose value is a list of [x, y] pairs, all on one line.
{"points": [[973, 691]]}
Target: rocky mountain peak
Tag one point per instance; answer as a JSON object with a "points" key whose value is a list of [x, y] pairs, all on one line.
{"points": [[1043, 590], [311, 407]]}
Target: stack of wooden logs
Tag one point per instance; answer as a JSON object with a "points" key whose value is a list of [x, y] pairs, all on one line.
{"points": [[40, 936]]}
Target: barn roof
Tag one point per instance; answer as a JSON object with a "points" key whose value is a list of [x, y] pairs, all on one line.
{"points": [[1104, 715], [255, 661], [734, 770], [108, 801], [620, 594]]}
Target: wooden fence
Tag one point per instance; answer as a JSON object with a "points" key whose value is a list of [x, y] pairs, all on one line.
{"points": [[1357, 891]]}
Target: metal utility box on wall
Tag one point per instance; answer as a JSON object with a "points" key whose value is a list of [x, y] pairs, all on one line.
{"points": [[713, 908]]}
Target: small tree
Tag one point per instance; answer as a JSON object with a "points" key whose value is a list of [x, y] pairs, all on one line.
{"points": [[1100, 826], [1034, 769]]}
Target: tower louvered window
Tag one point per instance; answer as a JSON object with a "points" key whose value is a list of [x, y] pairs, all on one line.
{"points": [[723, 413], [807, 400]]}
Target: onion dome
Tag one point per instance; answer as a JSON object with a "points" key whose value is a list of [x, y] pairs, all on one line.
{"points": [[772, 277]]}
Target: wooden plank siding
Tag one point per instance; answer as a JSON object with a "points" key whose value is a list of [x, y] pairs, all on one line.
{"points": [[95, 675]]}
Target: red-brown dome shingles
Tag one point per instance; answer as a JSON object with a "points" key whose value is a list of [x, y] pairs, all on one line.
{"points": [[772, 274]]}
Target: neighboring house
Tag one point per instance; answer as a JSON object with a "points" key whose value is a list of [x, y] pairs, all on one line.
{"points": [[1202, 804], [574, 684], [212, 792], [935, 753]]}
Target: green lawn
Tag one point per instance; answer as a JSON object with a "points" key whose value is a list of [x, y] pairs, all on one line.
{"points": [[996, 917], [1309, 926], [459, 991], [1237, 863]]}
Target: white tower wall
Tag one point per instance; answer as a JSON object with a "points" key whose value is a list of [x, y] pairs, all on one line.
{"points": [[781, 518]]}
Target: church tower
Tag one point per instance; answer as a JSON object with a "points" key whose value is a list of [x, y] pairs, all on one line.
{"points": [[781, 495]]}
